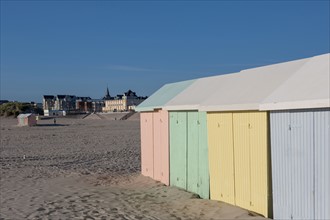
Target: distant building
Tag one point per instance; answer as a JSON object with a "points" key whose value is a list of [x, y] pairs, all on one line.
{"points": [[97, 105], [126, 102], [68, 104], [48, 102], [107, 95], [54, 113], [82, 104], [60, 105], [65, 102], [86, 104]]}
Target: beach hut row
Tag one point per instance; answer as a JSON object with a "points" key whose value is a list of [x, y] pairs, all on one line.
{"points": [[258, 139]]}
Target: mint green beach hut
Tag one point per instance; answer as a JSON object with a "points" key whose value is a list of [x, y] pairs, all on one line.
{"points": [[154, 131], [189, 163]]}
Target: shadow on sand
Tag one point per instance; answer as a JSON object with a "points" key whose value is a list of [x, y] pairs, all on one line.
{"points": [[51, 125]]}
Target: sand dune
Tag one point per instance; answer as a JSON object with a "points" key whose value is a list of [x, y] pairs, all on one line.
{"points": [[89, 169]]}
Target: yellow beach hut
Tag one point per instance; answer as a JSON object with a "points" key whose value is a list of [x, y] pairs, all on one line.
{"points": [[238, 136]]}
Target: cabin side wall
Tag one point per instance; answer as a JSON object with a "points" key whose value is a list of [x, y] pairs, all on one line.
{"points": [[165, 157], [203, 162], [157, 146], [178, 149], [189, 152], [322, 164], [221, 157], [300, 163], [239, 159], [147, 151]]}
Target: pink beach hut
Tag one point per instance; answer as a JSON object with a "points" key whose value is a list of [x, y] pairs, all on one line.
{"points": [[27, 119], [155, 131]]}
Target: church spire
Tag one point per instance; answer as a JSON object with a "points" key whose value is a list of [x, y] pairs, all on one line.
{"points": [[107, 94]]}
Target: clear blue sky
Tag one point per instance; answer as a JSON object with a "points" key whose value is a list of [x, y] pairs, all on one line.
{"points": [[80, 47]]}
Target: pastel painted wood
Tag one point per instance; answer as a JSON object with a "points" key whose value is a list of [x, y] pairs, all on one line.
{"points": [[147, 150], [239, 159], [155, 145], [189, 152]]}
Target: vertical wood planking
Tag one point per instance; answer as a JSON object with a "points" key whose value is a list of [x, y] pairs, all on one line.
{"points": [[281, 164], [164, 140], [214, 156], [242, 159], [239, 159], [147, 153], [204, 176], [192, 152], [221, 157], [178, 149], [302, 165], [259, 162], [322, 163], [157, 144], [189, 152]]}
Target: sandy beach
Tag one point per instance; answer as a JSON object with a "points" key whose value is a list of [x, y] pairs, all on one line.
{"points": [[89, 169]]}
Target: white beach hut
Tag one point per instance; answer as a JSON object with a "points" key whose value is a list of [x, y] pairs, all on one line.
{"points": [[26, 119], [300, 142]]}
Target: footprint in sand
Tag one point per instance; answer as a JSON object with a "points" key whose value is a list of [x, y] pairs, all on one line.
{"points": [[114, 210], [41, 209]]}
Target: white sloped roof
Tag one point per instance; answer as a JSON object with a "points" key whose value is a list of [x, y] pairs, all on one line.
{"points": [[309, 87], [197, 92], [158, 99], [237, 91], [251, 87], [24, 115]]}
